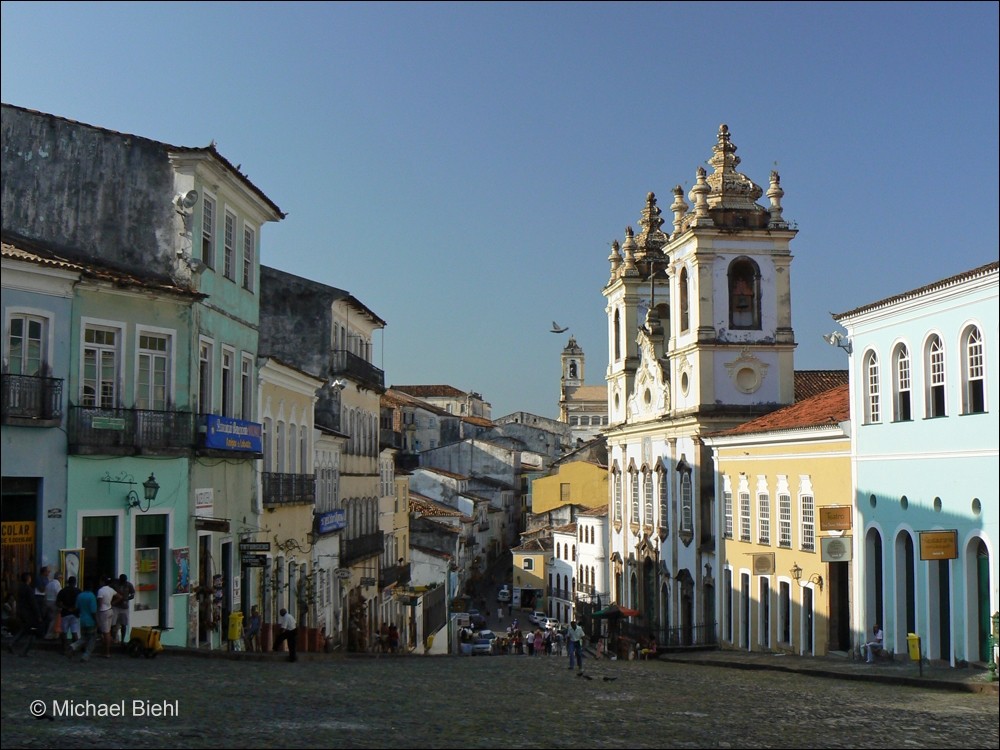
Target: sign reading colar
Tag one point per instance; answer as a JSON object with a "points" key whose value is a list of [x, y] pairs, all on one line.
{"points": [[229, 434]]}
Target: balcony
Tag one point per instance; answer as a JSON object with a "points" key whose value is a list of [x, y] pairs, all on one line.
{"points": [[287, 489], [366, 545], [560, 593], [398, 574], [31, 400], [93, 430], [353, 367]]}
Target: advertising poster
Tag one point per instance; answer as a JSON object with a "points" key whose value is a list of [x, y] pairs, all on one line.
{"points": [[181, 570]]}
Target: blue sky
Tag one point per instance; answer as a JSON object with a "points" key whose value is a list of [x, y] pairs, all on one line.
{"points": [[463, 168]]}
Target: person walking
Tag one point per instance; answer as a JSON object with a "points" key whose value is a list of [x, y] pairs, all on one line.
{"points": [[105, 614], [574, 638], [251, 630], [86, 606], [66, 602], [120, 605], [52, 618], [289, 632], [29, 618]]}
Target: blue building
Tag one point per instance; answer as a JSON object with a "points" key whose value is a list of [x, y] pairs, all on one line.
{"points": [[924, 421]]}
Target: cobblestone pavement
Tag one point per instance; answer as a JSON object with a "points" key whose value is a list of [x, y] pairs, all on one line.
{"points": [[456, 702]]}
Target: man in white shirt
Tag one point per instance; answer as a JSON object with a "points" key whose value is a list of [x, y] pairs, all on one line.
{"points": [[52, 589], [105, 614], [574, 638], [874, 646], [289, 632]]}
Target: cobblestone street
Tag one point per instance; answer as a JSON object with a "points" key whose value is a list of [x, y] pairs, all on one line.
{"points": [[451, 702]]}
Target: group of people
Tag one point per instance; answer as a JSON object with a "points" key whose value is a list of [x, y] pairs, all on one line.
{"points": [[44, 607]]}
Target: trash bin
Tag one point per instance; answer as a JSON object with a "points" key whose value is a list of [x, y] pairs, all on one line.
{"points": [[913, 645], [235, 626]]}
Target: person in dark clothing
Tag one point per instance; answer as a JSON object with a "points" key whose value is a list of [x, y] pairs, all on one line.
{"points": [[28, 616], [66, 603]]}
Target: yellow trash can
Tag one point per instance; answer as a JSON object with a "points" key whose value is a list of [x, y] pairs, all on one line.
{"points": [[913, 645], [235, 626]]}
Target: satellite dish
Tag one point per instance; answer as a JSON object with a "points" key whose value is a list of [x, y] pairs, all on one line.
{"points": [[186, 200]]}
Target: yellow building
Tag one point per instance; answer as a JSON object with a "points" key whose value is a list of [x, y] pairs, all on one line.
{"points": [[529, 573], [784, 504], [582, 483], [288, 496]]}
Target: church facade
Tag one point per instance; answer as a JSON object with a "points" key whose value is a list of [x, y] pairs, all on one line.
{"points": [[700, 340]]}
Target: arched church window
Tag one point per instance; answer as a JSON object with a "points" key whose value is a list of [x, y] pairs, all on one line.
{"points": [[744, 294]]}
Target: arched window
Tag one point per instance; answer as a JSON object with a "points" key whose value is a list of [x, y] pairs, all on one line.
{"points": [[618, 335], [279, 440], [873, 403], [934, 377], [687, 509], [634, 496], [744, 295], [617, 494], [661, 476], [682, 282], [647, 497], [973, 372], [901, 385]]}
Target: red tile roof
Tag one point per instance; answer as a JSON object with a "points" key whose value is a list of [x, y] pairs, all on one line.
{"points": [[829, 408], [810, 383]]}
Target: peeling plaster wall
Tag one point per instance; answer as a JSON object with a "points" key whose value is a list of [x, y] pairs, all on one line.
{"points": [[93, 193]]}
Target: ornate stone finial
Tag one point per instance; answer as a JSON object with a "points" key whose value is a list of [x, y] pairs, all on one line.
{"points": [[699, 196], [651, 239], [730, 189], [615, 258], [629, 247], [774, 194], [679, 207]]}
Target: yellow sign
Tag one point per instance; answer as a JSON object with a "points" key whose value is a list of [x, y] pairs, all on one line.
{"points": [[835, 517], [763, 564], [18, 533], [939, 545]]}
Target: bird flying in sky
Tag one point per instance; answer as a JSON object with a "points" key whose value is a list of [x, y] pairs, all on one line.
{"points": [[557, 329]]}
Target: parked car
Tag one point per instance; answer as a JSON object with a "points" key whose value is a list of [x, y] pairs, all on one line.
{"points": [[483, 642], [503, 595], [536, 617], [476, 619], [550, 623]]}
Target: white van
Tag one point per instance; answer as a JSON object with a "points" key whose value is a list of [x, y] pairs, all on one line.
{"points": [[503, 595]]}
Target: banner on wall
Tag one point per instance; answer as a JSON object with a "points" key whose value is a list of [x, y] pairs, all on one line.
{"points": [[71, 564], [181, 570]]}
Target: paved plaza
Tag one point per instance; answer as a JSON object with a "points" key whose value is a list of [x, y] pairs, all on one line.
{"points": [[181, 700]]}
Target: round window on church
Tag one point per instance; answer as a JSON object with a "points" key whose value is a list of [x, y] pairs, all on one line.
{"points": [[684, 383], [747, 379]]}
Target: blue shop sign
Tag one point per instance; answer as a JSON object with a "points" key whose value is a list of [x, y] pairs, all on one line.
{"points": [[229, 434], [333, 520]]}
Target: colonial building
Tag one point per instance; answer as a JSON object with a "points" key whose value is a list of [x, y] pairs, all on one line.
{"points": [[699, 339], [335, 345], [583, 407], [924, 429], [163, 343], [784, 514]]}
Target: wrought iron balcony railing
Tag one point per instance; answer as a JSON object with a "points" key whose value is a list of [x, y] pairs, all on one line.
{"points": [[366, 545], [353, 367], [287, 489], [398, 574], [93, 429], [31, 400]]}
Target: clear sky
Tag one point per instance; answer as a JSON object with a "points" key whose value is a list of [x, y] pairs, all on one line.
{"points": [[462, 168]]}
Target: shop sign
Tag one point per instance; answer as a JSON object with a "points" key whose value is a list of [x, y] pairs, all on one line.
{"points": [[763, 564], [939, 545], [835, 517], [836, 549], [254, 561]]}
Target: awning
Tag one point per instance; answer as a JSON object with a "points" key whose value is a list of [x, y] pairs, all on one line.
{"points": [[614, 610]]}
